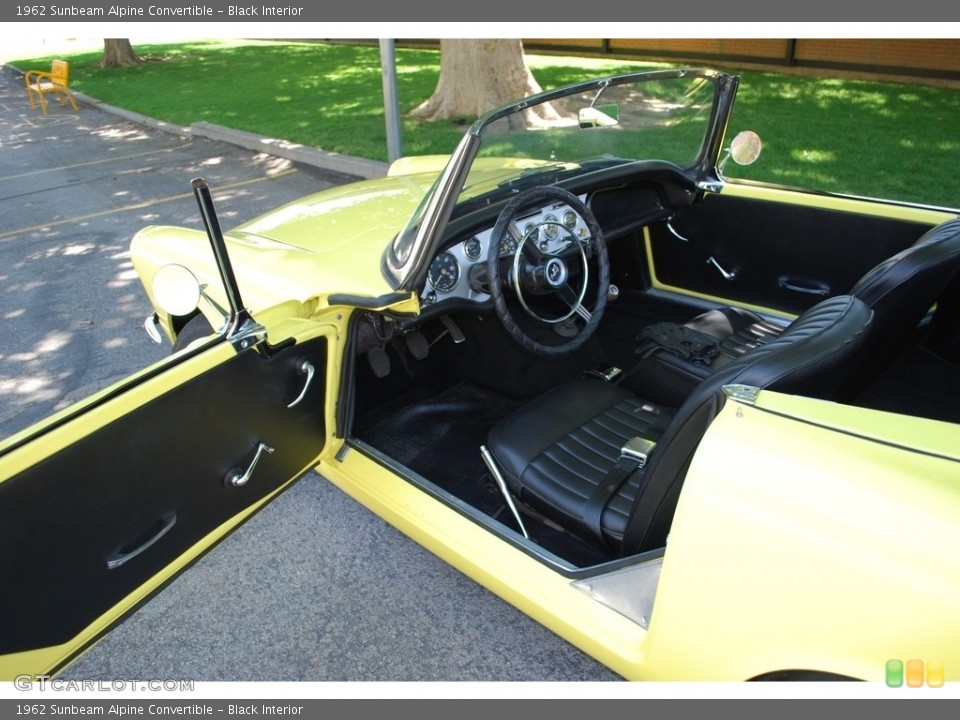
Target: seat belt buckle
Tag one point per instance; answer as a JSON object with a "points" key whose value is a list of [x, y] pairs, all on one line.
{"points": [[638, 449], [607, 374]]}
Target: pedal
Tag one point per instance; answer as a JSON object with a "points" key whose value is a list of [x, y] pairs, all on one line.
{"points": [[417, 344], [456, 334], [379, 361]]}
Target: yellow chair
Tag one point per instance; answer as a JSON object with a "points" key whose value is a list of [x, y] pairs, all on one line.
{"points": [[55, 81]]}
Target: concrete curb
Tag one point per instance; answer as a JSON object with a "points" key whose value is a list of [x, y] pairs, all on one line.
{"points": [[292, 151], [347, 164]]}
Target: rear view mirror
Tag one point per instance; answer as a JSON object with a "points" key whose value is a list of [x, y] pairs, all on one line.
{"points": [[599, 115]]}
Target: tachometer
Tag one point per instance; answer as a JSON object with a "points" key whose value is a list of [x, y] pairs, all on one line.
{"points": [[444, 273]]}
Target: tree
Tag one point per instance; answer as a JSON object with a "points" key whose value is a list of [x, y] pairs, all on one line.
{"points": [[478, 75], [118, 53]]}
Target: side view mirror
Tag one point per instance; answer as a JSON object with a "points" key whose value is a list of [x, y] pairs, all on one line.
{"points": [[176, 289], [744, 149]]}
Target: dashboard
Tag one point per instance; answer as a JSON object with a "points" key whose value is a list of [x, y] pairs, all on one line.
{"points": [[459, 272]]}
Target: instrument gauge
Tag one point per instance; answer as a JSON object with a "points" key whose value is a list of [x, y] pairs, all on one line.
{"points": [[551, 227], [570, 219], [508, 244], [472, 248], [444, 273]]}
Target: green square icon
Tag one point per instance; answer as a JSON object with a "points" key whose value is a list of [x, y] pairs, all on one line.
{"points": [[894, 673]]}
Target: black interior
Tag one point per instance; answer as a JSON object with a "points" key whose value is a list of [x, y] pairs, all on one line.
{"points": [[429, 403]]}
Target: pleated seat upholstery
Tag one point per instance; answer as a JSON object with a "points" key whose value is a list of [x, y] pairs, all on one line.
{"points": [[558, 451]]}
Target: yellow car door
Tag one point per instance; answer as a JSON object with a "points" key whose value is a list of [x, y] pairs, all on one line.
{"points": [[105, 502], [99, 508]]}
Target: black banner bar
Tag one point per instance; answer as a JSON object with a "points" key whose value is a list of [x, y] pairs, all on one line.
{"points": [[749, 16], [468, 705]]}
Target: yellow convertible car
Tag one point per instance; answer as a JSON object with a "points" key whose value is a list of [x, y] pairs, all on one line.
{"points": [[703, 429]]}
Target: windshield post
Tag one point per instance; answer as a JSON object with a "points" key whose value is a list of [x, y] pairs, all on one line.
{"points": [[406, 252]]}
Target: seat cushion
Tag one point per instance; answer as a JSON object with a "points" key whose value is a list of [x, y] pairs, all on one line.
{"points": [[737, 330], [668, 377], [555, 451]]}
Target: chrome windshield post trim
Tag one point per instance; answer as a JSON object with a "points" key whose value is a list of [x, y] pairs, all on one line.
{"points": [[437, 209]]}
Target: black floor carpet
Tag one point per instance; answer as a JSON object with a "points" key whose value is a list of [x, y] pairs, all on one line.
{"points": [[439, 436]]}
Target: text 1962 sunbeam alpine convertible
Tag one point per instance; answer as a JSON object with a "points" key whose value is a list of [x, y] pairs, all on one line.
{"points": [[702, 429]]}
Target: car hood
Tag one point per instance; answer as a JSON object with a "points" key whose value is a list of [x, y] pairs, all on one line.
{"points": [[374, 210], [370, 212], [341, 233]]}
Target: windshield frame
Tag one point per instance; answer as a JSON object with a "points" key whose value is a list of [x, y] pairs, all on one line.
{"points": [[405, 260]]}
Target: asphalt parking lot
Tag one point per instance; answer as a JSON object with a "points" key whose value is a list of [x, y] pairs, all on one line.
{"points": [[315, 588]]}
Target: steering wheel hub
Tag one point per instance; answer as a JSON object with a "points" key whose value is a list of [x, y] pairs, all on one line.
{"points": [[556, 273]]}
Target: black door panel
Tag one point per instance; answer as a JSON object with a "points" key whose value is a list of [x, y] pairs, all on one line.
{"points": [[776, 255], [89, 525]]}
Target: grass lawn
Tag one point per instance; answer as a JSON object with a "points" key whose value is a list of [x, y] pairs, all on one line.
{"points": [[885, 139]]}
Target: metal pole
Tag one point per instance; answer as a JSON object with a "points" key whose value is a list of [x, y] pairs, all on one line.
{"points": [[391, 107]]}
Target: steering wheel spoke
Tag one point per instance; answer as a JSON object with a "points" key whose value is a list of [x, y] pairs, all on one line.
{"points": [[572, 300], [532, 252]]}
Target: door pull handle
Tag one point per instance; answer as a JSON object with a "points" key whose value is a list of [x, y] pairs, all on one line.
{"points": [[808, 287], [673, 231], [304, 367], [236, 478], [123, 555]]}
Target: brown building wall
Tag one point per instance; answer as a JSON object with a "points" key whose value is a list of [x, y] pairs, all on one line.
{"points": [[928, 54], [933, 59], [761, 49]]}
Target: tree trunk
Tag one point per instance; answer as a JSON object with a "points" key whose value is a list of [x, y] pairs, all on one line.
{"points": [[118, 53], [477, 76]]}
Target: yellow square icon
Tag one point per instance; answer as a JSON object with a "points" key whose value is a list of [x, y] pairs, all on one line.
{"points": [[935, 674]]}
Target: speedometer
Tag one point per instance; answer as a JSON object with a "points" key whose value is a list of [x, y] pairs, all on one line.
{"points": [[444, 272], [508, 244]]}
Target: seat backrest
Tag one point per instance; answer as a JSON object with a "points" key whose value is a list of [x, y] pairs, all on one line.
{"points": [[901, 291], [60, 72], [811, 357]]}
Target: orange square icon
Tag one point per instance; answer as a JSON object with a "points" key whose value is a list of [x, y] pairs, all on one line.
{"points": [[914, 673]]}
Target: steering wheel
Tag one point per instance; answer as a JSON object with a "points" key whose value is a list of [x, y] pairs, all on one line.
{"points": [[549, 262]]}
